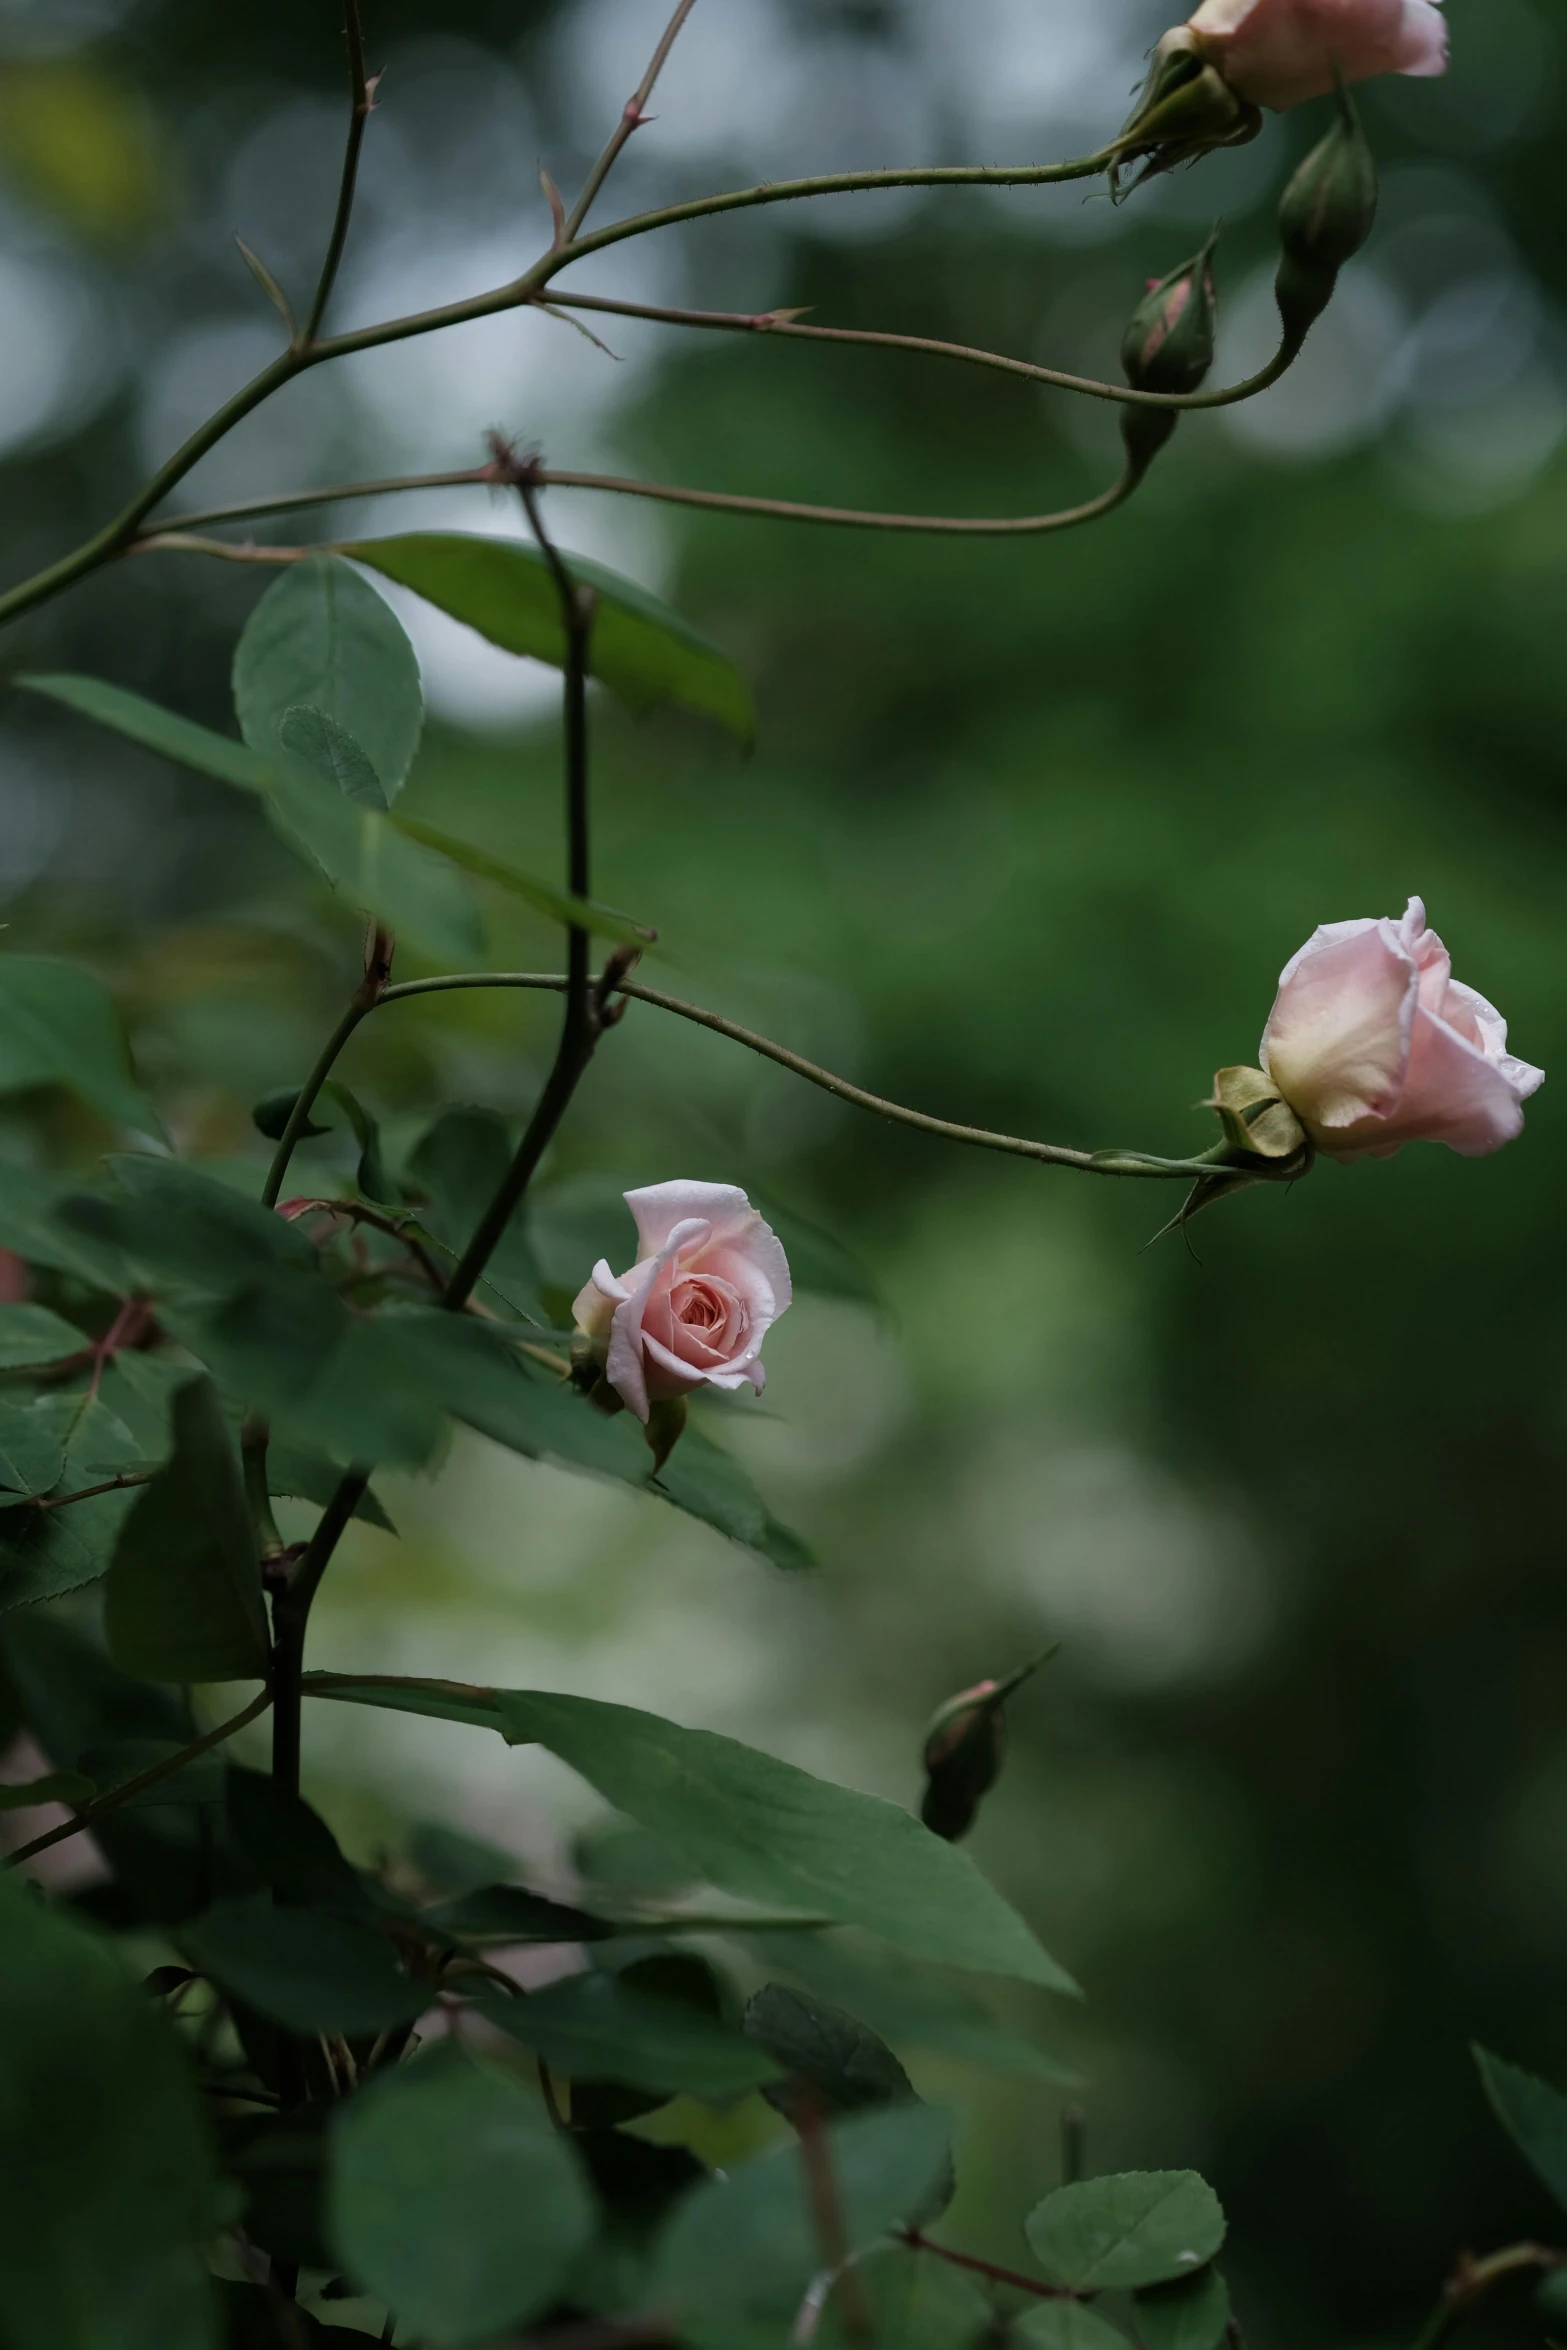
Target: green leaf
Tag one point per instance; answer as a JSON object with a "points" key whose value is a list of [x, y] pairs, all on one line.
{"points": [[1065, 2325], [460, 1162], [1533, 2114], [108, 2197], [510, 1913], [371, 1176], [315, 740], [736, 2260], [913, 2303], [503, 588], [582, 913], [453, 2200], [818, 1259], [708, 1483], [1191, 2315], [32, 1448], [594, 2027], [32, 1334], [1136, 2228], [836, 2058], [307, 1476], [751, 1825], [355, 849], [58, 1026], [68, 1787], [322, 638], [304, 1969], [183, 1601], [45, 1553], [292, 1846]]}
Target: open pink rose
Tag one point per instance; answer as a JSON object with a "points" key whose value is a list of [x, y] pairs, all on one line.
{"points": [[709, 1282], [1277, 52], [1374, 1043]]}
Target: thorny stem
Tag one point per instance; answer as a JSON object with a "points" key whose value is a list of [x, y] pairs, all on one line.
{"points": [[633, 115], [1111, 1162], [163, 1769], [782, 323], [361, 105], [1472, 2279]]}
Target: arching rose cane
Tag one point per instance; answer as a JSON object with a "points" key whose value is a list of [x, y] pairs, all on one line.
{"points": [[710, 1280]]}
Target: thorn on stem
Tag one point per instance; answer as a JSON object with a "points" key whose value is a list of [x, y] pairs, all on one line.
{"points": [[557, 207]]}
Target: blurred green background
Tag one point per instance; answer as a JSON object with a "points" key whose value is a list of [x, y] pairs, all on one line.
{"points": [[1029, 833]]}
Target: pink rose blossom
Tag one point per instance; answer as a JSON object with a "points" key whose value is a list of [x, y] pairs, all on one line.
{"points": [[709, 1282], [1277, 52], [1374, 1043]]}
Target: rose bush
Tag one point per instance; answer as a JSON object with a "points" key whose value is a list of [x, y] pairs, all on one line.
{"points": [[710, 1280], [1373, 1043], [1277, 52]]}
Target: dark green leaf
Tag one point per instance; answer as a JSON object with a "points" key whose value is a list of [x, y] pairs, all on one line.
{"points": [[184, 1593], [108, 2197], [271, 1116], [460, 1162], [503, 588], [315, 740], [913, 2303], [751, 1825], [174, 1220], [372, 1177], [279, 2162], [1135, 2228], [453, 2199], [28, 1204], [356, 849], [818, 1259], [1191, 2315], [509, 1913], [736, 2260], [303, 1969], [1065, 2325], [835, 2059], [58, 1026], [308, 1476], [1533, 2114], [581, 913], [292, 1846], [598, 2028], [32, 1334], [198, 1782], [708, 1483], [68, 1787], [32, 1448], [45, 1553], [321, 637]]}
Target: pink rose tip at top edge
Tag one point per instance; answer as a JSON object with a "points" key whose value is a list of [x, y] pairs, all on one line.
{"points": [[1373, 1043], [1276, 53], [710, 1280]]}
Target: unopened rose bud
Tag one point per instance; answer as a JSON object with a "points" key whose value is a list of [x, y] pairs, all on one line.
{"points": [[1168, 347], [965, 1747], [1325, 216]]}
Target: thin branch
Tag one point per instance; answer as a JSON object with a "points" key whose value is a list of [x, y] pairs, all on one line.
{"points": [[60, 1501], [361, 105], [1110, 1162], [150, 1777], [633, 114], [480, 477], [780, 324], [1472, 2279], [378, 964], [917, 2241]]}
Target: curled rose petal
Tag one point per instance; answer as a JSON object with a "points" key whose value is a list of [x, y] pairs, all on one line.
{"points": [[1278, 52]]}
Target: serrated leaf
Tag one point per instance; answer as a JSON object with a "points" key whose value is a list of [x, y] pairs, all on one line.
{"points": [[755, 1827], [736, 2260], [183, 1601], [315, 740], [595, 2027], [503, 588], [1065, 2325], [357, 850], [46, 1553], [32, 1449], [323, 639], [31, 1334], [103, 2224], [1191, 2315], [58, 1026], [304, 1969], [837, 2058], [1132, 2229], [453, 2200], [1533, 2114]]}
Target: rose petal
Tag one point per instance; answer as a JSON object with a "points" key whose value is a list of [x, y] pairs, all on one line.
{"points": [[1338, 1038], [1277, 52], [659, 1207], [1453, 1093], [623, 1362]]}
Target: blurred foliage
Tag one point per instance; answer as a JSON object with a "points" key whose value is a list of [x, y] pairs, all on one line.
{"points": [[1029, 832]]}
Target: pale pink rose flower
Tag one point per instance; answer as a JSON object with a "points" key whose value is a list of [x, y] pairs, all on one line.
{"points": [[1374, 1043], [1277, 52], [710, 1280]]}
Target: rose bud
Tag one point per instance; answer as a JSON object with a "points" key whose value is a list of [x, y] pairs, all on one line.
{"points": [[1274, 53], [1373, 1043], [710, 1280], [965, 1747], [1185, 107], [1167, 347], [1325, 216]]}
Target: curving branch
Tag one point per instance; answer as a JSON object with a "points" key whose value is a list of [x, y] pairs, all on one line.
{"points": [[361, 106], [633, 115], [162, 1769], [781, 323]]}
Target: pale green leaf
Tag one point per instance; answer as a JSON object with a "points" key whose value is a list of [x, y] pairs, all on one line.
{"points": [[322, 638]]}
